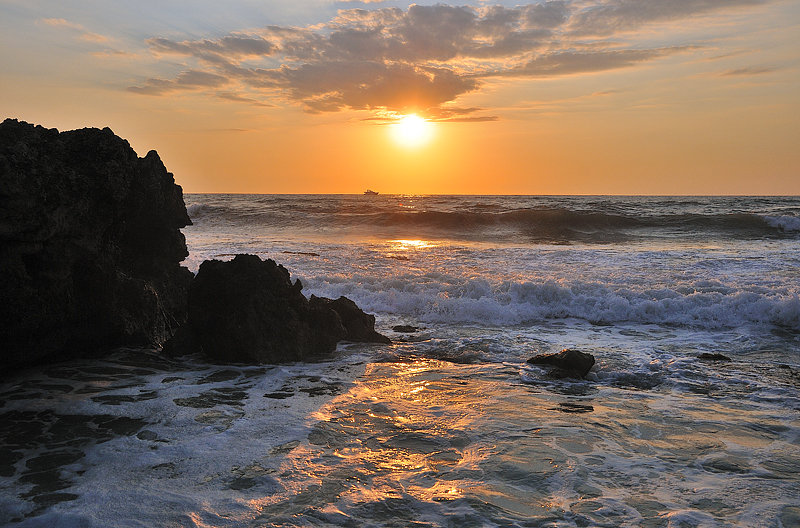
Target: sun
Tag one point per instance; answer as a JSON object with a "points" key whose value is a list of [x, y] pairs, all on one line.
{"points": [[412, 131]]}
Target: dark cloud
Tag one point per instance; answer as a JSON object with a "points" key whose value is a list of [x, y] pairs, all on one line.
{"points": [[546, 15], [569, 63], [423, 58], [330, 86], [195, 78], [233, 46], [186, 80]]}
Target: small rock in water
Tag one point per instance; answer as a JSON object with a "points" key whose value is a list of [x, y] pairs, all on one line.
{"points": [[567, 363], [713, 357], [147, 434], [405, 329], [574, 408]]}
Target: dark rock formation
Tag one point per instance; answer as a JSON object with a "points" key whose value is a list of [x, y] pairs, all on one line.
{"points": [[247, 310], [708, 356], [359, 326], [567, 363], [90, 244]]}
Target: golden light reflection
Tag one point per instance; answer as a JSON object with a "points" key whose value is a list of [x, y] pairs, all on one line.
{"points": [[398, 425], [412, 131], [408, 244]]}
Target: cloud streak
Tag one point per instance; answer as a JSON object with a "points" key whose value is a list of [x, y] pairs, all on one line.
{"points": [[421, 59], [748, 71], [610, 17], [186, 80], [85, 35]]}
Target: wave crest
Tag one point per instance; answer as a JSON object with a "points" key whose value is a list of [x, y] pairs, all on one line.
{"points": [[560, 224], [514, 303]]}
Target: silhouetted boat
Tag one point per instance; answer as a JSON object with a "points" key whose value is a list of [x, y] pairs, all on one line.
{"points": [[370, 192]]}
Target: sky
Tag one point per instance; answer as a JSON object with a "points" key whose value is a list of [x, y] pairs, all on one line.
{"points": [[313, 96]]}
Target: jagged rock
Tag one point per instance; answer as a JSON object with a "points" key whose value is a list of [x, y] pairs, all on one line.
{"points": [[359, 326], [247, 310], [567, 363], [90, 244]]}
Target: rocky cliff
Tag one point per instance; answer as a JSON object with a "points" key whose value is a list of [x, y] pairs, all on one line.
{"points": [[90, 245]]}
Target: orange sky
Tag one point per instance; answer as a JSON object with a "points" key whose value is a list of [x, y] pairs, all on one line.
{"points": [[558, 97]]}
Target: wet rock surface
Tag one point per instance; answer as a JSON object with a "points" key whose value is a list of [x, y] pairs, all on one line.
{"points": [[247, 310], [91, 245], [359, 326], [58, 422], [405, 329], [565, 364], [39, 447]]}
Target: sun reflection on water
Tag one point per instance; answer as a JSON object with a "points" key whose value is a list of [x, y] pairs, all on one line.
{"points": [[406, 434], [410, 244], [390, 437]]}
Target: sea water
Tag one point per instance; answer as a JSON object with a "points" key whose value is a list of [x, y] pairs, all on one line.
{"points": [[448, 425]]}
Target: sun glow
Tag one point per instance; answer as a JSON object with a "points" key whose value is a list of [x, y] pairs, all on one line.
{"points": [[412, 131]]}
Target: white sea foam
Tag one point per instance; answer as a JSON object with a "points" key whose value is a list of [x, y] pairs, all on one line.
{"points": [[448, 425], [512, 303], [784, 223], [196, 210], [668, 279]]}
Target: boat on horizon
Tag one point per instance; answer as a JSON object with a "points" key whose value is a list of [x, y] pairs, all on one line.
{"points": [[370, 192]]}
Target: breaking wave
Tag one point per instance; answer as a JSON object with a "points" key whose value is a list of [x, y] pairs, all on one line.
{"points": [[478, 301]]}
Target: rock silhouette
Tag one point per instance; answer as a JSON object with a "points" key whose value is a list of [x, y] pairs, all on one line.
{"points": [[566, 364], [90, 245], [248, 310]]}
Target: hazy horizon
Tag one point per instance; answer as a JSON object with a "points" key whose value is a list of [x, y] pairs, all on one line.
{"points": [[512, 195]]}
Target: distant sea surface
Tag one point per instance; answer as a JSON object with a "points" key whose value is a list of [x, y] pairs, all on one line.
{"points": [[449, 426]]}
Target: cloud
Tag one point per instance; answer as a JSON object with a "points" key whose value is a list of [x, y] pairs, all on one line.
{"points": [[569, 63], [110, 52], [61, 22], [609, 17], [748, 71], [237, 98], [94, 37], [331, 86], [186, 80], [232, 46], [85, 35], [423, 58]]}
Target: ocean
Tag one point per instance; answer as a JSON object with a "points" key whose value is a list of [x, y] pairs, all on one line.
{"points": [[449, 426]]}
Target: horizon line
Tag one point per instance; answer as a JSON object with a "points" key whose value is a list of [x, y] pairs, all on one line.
{"points": [[634, 195]]}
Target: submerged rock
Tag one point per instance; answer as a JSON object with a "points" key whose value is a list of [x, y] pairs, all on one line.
{"points": [[90, 245], [567, 363], [708, 356], [405, 329], [247, 310]]}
